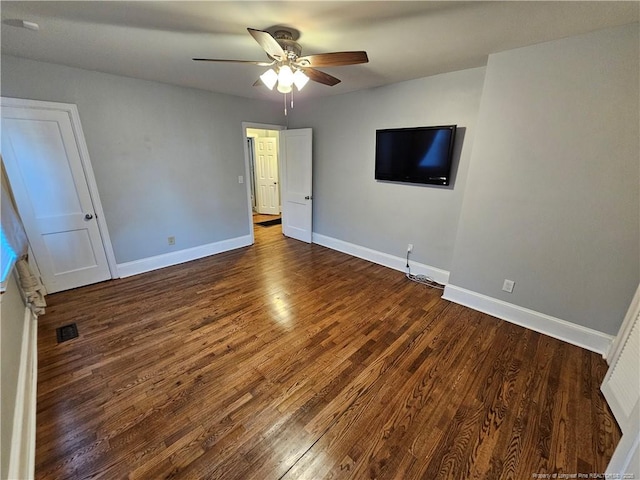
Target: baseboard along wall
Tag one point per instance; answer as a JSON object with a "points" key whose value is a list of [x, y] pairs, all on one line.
{"points": [[381, 258], [554, 327], [22, 455], [181, 256]]}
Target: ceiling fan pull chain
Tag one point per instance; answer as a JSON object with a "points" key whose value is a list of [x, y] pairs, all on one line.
{"points": [[285, 104], [292, 98]]}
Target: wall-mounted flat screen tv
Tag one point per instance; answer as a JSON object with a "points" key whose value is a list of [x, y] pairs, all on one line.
{"points": [[415, 155]]}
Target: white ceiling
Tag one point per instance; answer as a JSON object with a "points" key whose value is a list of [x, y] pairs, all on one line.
{"points": [[404, 39]]}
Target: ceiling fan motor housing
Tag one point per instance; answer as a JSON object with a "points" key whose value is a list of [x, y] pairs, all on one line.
{"points": [[288, 44]]}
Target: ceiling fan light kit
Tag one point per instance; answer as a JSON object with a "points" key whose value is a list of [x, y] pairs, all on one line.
{"points": [[300, 79], [269, 78], [285, 79], [289, 67]]}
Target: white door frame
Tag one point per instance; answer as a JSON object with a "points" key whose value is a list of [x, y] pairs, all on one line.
{"points": [[247, 170], [72, 110], [619, 393]]}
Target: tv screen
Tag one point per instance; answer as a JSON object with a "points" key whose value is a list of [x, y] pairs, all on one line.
{"points": [[415, 155]]}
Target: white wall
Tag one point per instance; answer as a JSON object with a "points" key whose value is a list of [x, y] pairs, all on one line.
{"points": [[552, 199], [166, 159], [12, 309], [349, 204]]}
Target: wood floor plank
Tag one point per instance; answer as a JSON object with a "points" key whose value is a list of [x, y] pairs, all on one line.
{"points": [[287, 361]]}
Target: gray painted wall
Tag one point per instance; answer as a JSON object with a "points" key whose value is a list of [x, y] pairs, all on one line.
{"points": [[166, 159], [11, 327], [552, 199], [349, 204]]}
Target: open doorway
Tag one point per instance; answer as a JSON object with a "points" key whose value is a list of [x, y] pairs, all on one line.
{"points": [[295, 167], [263, 176]]}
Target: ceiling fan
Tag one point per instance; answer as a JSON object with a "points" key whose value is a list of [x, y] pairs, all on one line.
{"points": [[289, 67]]}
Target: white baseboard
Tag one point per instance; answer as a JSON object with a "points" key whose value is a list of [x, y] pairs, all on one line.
{"points": [[22, 455], [174, 258], [554, 327], [381, 258]]}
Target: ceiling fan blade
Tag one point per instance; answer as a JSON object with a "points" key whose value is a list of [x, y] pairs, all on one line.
{"points": [[258, 83], [268, 44], [334, 59], [321, 77], [249, 62]]}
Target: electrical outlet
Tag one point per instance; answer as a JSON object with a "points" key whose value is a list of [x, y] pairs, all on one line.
{"points": [[410, 248], [507, 286], [171, 240], [240, 179]]}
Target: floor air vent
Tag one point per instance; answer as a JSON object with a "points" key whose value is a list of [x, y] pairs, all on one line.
{"points": [[67, 332]]}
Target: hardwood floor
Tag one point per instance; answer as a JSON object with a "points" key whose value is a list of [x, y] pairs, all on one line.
{"points": [[290, 361]]}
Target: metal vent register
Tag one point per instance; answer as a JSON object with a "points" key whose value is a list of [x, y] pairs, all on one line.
{"points": [[67, 332]]}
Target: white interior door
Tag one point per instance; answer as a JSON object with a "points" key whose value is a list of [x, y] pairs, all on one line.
{"points": [[296, 163], [41, 152], [267, 188]]}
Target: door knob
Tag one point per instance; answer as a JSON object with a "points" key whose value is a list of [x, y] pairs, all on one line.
{"points": [[88, 216]]}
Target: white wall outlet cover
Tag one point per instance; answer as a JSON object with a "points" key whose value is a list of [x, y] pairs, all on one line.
{"points": [[507, 286], [240, 179]]}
